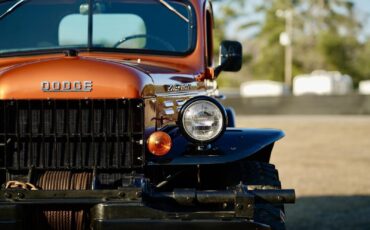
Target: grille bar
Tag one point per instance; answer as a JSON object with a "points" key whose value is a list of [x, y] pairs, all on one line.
{"points": [[71, 134]]}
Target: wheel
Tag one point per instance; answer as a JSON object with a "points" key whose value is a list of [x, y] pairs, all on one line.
{"points": [[259, 175], [156, 39]]}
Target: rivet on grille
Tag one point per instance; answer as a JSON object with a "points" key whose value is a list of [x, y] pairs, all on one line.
{"points": [[140, 142]]}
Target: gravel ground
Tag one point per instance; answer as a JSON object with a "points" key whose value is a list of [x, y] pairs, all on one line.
{"points": [[327, 160]]}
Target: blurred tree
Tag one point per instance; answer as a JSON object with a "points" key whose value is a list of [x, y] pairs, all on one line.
{"points": [[360, 62], [340, 53], [227, 12], [328, 36], [268, 63], [325, 36]]}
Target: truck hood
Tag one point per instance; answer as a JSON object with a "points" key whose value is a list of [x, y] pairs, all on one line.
{"points": [[74, 78]]}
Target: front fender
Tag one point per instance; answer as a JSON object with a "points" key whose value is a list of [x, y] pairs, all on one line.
{"points": [[234, 145]]}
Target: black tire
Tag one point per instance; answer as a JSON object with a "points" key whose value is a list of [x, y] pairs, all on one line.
{"points": [[259, 175]]}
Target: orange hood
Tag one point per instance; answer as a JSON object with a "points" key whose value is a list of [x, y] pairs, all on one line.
{"points": [[57, 78]]}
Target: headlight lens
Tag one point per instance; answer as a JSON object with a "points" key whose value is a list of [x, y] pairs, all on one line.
{"points": [[203, 119]]}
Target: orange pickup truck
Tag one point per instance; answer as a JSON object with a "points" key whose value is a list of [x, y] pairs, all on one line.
{"points": [[110, 118]]}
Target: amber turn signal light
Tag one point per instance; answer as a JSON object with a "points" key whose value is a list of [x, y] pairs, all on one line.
{"points": [[159, 143]]}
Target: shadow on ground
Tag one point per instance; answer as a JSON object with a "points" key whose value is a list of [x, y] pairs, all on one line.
{"points": [[329, 212]]}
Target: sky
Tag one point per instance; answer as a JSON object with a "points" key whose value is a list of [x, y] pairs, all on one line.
{"points": [[363, 6]]}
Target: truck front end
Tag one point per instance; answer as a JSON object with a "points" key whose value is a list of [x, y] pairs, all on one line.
{"points": [[109, 120]]}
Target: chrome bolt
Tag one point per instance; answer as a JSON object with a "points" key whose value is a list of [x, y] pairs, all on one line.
{"points": [[7, 195], [20, 195], [139, 194], [121, 194]]}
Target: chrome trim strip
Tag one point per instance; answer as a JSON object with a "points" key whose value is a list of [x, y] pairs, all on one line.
{"points": [[180, 102], [168, 104], [169, 112]]}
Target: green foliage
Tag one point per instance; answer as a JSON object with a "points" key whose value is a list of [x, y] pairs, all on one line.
{"points": [[268, 63], [325, 36], [362, 61], [338, 52], [227, 12]]}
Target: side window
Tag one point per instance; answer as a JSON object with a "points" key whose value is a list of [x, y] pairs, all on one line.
{"points": [[108, 30], [209, 38]]}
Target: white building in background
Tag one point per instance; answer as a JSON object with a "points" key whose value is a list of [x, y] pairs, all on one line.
{"points": [[322, 83], [263, 89], [364, 87]]}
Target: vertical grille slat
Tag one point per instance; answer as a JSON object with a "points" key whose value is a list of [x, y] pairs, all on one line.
{"points": [[129, 129], [20, 127], [79, 122], [94, 149], [80, 134], [4, 136], [118, 160]]}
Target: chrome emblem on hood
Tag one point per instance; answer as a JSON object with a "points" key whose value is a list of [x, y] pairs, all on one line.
{"points": [[67, 86]]}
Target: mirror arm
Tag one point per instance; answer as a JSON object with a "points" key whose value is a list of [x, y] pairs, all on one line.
{"points": [[219, 68], [217, 71]]}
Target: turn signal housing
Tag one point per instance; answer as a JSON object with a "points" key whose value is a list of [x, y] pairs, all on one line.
{"points": [[159, 143]]}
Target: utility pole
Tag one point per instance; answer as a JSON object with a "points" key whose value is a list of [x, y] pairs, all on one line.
{"points": [[286, 40]]}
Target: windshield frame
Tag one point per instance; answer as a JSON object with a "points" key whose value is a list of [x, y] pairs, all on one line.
{"points": [[91, 48]]}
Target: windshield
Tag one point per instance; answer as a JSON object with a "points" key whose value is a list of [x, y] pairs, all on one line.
{"points": [[140, 26]]}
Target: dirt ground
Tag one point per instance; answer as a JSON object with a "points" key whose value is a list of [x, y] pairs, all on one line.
{"points": [[327, 160]]}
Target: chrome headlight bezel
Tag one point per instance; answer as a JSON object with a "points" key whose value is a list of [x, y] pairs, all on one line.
{"points": [[209, 101]]}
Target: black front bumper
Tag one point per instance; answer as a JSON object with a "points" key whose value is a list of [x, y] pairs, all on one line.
{"points": [[132, 216], [137, 217], [179, 225], [131, 209]]}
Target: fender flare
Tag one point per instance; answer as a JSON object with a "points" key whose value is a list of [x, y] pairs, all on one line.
{"points": [[230, 117], [234, 145]]}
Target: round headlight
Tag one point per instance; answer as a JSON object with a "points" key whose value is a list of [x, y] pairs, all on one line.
{"points": [[202, 119]]}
